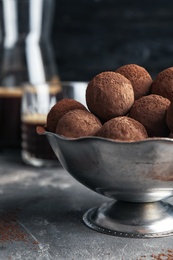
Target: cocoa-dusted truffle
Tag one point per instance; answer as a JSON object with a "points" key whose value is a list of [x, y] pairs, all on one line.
{"points": [[109, 94], [59, 109], [151, 112], [169, 117], [139, 77], [77, 123], [163, 84], [123, 128]]}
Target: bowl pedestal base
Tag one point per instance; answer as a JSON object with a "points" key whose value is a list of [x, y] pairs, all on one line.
{"points": [[132, 219]]}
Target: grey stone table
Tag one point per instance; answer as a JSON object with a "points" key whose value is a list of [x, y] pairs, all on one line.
{"points": [[41, 218]]}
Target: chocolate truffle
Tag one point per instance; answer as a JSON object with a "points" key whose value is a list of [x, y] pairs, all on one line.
{"points": [[123, 128], [169, 117], [59, 109], [109, 94], [163, 84], [77, 123], [151, 112], [139, 77]]}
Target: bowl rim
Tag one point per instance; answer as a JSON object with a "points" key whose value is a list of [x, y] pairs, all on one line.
{"points": [[42, 131]]}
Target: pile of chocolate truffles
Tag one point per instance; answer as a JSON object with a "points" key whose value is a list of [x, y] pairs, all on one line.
{"points": [[123, 105]]}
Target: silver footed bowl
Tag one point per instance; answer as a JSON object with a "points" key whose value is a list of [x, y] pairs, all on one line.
{"points": [[138, 176]]}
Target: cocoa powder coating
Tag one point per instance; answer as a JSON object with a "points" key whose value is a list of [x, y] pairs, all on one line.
{"points": [[77, 123], [124, 129], [139, 78], [109, 94], [59, 109], [151, 112], [163, 84]]}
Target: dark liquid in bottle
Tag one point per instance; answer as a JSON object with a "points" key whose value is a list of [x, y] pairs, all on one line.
{"points": [[10, 122], [36, 146]]}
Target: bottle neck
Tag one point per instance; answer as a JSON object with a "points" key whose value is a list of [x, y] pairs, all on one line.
{"points": [[26, 52], [25, 20]]}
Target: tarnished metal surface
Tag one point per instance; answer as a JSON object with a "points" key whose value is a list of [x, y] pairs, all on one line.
{"points": [[138, 173], [45, 209]]}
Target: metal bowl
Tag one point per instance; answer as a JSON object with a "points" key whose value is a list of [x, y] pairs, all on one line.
{"points": [[138, 176]]}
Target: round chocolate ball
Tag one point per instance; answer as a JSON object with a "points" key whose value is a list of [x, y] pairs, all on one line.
{"points": [[151, 112], [109, 94], [59, 109], [139, 77], [123, 128], [163, 84], [78, 123]]}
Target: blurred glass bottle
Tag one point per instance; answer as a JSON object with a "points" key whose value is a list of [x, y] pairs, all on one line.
{"points": [[26, 55]]}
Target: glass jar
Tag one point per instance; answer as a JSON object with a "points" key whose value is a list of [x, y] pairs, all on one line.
{"points": [[26, 55]]}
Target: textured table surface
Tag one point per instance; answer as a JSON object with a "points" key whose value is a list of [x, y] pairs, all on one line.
{"points": [[41, 218]]}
